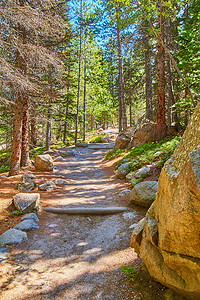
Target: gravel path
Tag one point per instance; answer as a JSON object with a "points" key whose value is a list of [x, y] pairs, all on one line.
{"points": [[75, 257]]}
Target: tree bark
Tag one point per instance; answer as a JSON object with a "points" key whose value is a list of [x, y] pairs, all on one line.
{"points": [[48, 132], [17, 136], [84, 102], [33, 125], [161, 123], [19, 107], [148, 75], [25, 134], [65, 124], [79, 74], [122, 104]]}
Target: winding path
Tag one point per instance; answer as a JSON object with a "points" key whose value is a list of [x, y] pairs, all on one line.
{"points": [[75, 257]]}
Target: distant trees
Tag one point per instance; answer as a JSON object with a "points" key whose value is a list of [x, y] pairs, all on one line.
{"points": [[27, 54], [129, 76]]}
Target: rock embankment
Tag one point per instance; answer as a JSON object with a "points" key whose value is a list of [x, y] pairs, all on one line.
{"points": [[168, 239]]}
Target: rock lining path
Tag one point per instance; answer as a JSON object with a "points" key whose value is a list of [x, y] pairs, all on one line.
{"points": [[75, 257]]}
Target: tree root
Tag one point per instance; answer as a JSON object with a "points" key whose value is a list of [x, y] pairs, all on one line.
{"points": [[86, 210]]}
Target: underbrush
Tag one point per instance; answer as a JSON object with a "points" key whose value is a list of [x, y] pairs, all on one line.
{"points": [[5, 157], [149, 153]]}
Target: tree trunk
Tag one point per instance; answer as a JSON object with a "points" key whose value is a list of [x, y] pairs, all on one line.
{"points": [[19, 108], [65, 124], [84, 103], [48, 133], [33, 125], [92, 121], [148, 75], [161, 124], [17, 136], [168, 76], [25, 134], [79, 75], [122, 104]]}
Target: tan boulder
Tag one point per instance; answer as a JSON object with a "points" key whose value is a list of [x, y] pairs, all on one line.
{"points": [[170, 243], [124, 137], [44, 163], [146, 133]]}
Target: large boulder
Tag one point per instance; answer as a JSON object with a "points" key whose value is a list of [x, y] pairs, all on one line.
{"points": [[27, 182], [44, 163], [26, 202], [143, 193], [169, 244], [145, 133], [124, 137]]}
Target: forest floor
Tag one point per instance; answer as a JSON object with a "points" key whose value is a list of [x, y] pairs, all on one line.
{"points": [[76, 257]]}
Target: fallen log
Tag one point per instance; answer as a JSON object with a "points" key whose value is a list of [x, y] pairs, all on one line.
{"points": [[86, 210]]}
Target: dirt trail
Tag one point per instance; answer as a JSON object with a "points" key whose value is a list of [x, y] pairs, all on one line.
{"points": [[75, 257]]}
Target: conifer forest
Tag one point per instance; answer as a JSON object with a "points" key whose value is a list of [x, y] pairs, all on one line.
{"points": [[69, 67]]}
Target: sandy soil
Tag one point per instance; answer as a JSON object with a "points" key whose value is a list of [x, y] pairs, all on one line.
{"points": [[73, 257]]}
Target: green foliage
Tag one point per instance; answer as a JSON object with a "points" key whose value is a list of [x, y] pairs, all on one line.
{"points": [[144, 155], [18, 212], [5, 157], [58, 145], [114, 153], [134, 181], [131, 271], [36, 151]]}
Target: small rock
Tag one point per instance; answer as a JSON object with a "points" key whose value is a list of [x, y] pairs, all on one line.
{"points": [[12, 236], [124, 160], [124, 193], [27, 225], [53, 225], [26, 202], [47, 186], [130, 176], [133, 225], [31, 216], [3, 252], [157, 154], [72, 152], [59, 181], [27, 183], [82, 145], [59, 158], [142, 172], [129, 215], [44, 163], [123, 170], [105, 140]]}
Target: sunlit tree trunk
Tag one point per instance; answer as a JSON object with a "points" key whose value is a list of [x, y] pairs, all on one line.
{"points": [[84, 102], [122, 104], [65, 123], [48, 132], [148, 75], [79, 73]]}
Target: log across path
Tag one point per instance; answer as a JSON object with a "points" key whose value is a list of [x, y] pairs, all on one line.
{"points": [[75, 257]]}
